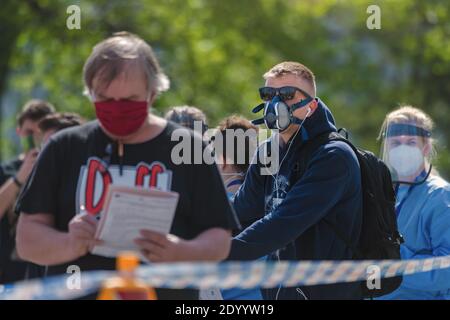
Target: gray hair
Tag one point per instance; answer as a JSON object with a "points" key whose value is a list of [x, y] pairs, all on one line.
{"points": [[110, 56]]}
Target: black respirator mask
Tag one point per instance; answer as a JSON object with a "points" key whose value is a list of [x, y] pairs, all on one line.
{"points": [[277, 114]]}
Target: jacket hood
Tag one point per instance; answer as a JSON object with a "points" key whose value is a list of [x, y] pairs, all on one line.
{"points": [[321, 121]]}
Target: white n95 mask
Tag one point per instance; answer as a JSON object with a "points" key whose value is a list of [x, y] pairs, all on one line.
{"points": [[406, 160]]}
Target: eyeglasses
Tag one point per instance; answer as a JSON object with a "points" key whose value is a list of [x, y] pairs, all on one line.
{"points": [[285, 93]]}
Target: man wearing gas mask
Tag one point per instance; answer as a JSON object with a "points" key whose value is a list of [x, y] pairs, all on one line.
{"points": [[288, 215]]}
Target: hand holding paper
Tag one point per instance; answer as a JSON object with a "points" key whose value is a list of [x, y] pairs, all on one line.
{"points": [[157, 247], [129, 210], [81, 235]]}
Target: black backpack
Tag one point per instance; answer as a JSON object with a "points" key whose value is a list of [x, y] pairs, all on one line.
{"points": [[379, 237]]}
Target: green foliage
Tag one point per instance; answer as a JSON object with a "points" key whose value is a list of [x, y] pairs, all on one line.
{"points": [[215, 53]]}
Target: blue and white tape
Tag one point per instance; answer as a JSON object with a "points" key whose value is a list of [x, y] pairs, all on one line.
{"points": [[243, 275], [54, 288]]}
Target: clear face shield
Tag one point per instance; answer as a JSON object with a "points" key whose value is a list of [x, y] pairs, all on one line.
{"points": [[406, 150]]}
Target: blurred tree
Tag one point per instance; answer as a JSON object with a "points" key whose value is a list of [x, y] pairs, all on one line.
{"points": [[215, 53]]}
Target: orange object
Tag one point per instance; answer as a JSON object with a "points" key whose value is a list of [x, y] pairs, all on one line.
{"points": [[126, 286]]}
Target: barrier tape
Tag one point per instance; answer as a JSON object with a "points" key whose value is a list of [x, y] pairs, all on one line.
{"points": [[244, 275]]}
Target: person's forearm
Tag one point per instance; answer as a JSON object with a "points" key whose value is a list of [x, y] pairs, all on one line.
{"points": [[211, 245], [8, 195], [42, 244], [264, 237]]}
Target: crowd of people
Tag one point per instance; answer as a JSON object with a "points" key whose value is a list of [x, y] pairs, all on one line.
{"points": [[52, 193]]}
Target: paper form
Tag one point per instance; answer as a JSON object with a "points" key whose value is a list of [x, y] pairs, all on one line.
{"points": [[129, 210]]}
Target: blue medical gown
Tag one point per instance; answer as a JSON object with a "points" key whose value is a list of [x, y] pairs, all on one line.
{"points": [[424, 222]]}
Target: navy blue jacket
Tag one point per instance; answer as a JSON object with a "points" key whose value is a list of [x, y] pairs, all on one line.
{"points": [[290, 226]]}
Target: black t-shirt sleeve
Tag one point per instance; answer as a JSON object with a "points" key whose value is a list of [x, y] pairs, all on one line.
{"points": [[40, 192], [211, 207]]}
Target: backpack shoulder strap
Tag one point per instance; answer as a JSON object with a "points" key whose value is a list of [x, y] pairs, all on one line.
{"points": [[299, 169]]}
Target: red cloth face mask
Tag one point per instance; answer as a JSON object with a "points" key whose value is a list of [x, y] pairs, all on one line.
{"points": [[123, 117]]}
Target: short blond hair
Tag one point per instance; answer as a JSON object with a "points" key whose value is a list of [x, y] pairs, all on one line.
{"points": [[295, 68], [109, 58]]}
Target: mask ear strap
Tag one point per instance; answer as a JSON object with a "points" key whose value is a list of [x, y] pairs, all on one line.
{"points": [[301, 104], [258, 121], [258, 108], [300, 121], [92, 96], [150, 95]]}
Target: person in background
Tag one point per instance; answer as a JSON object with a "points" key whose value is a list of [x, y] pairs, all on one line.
{"points": [[187, 116], [13, 175], [233, 171], [48, 126], [56, 122], [423, 200]]}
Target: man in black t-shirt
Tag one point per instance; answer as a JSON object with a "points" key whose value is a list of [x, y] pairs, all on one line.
{"points": [[127, 146]]}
